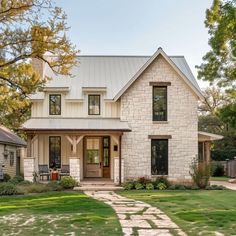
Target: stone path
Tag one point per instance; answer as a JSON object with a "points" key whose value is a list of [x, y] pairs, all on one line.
{"points": [[136, 217], [228, 185]]}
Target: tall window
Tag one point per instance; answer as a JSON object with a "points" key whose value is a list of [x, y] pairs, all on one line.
{"points": [[55, 151], [55, 104], [159, 103], [94, 104], [159, 156], [106, 151]]}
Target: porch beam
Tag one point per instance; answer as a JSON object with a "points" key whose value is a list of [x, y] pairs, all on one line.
{"points": [[115, 139], [74, 140]]}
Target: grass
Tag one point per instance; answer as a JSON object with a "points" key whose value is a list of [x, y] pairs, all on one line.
{"points": [[58, 213], [222, 178], [196, 212]]}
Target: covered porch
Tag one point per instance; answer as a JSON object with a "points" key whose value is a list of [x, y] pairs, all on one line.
{"points": [[91, 149]]}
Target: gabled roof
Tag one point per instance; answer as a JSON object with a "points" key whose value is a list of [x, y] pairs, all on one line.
{"points": [[115, 73], [8, 137]]}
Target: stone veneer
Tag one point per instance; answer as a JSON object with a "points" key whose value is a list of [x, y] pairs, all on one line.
{"points": [[116, 170], [75, 168], [136, 108], [29, 168]]}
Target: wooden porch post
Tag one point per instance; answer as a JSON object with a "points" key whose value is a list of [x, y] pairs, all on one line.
{"points": [[29, 138]]}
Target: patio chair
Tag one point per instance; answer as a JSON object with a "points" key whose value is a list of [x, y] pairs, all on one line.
{"points": [[44, 171], [1, 174], [65, 171]]}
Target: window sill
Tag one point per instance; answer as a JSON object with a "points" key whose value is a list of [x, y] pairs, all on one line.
{"points": [[160, 122]]}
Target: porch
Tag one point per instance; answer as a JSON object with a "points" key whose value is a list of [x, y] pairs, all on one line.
{"points": [[88, 153]]}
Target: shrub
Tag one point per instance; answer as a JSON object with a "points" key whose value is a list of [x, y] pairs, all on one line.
{"points": [[179, 187], [67, 182], [149, 186], [139, 186], [144, 180], [128, 186], [17, 179], [6, 177], [200, 173], [34, 188], [217, 169], [8, 189], [161, 179], [215, 187], [161, 186], [195, 188], [25, 182], [55, 186]]}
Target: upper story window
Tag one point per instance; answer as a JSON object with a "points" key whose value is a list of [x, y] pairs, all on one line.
{"points": [[55, 104], [94, 104], [159, 103]]}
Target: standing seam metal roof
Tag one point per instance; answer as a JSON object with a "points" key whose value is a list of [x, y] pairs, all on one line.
{"points": [[112, 72]]}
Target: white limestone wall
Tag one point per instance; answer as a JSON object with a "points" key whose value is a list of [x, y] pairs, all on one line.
{"points": [[136, 108], [75, 168], [29, 168], [116, 170]]}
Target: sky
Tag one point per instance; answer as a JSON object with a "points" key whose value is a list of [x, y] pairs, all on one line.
{"points": [[139, 27]]}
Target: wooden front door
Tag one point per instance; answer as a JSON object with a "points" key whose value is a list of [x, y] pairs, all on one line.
{"points": [[93, 157]]}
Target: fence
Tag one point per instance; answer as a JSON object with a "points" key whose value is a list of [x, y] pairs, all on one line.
{"points": [[231, 168]]}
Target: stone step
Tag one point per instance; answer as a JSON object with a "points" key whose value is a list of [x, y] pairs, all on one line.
{"points": [[97, 188]]}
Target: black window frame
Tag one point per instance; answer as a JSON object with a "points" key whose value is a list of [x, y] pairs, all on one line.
{"points": [[49, 146], [154, 118], [50, 95], [104, 147], [12, 158], [94, 95], [166, 164]]}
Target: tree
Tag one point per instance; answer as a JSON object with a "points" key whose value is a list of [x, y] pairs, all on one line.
{"points": [[29, 29], [220, 62]]}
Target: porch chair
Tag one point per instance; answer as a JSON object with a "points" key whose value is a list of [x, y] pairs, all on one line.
{"points": [[44, 171], [65, 171]]}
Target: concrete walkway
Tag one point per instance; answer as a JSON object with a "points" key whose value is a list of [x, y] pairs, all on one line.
{"points": [[225, 184], [136, 217]]}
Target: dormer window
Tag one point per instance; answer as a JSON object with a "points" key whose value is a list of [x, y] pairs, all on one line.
{"points": [[94, 104], [55, 104]]}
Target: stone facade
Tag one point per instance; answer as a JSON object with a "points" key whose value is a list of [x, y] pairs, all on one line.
{"points": [[136, 108], [116, 170], [29, 168], [75, 168]]}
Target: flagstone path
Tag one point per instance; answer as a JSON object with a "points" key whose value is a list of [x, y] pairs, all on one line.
{"points": [[136, 217]]}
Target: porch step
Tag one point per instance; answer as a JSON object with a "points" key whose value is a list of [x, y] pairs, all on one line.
{"points": [[97, 188]]}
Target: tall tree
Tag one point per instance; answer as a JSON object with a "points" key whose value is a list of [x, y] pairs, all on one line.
{"points": [[219, 64], [29, 29]]}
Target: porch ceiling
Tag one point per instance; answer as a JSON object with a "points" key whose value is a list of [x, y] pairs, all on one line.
{"points": [[76, 124]]}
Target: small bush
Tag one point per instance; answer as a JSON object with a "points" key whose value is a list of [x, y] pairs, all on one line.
{"points": [[139, 186], [217, 169], [161, 179], [128, 186], [25, 182], [16, 179], [149, 186], [195, 188], [8, 189], [215, 187], [161, 186], [67, 182], [144, 180], [34, 188], [55, 186], [6, 177], [179, 187], [200, 173]]}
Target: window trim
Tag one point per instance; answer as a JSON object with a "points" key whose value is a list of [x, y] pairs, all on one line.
{"points": [[99, 105], [50, 104], [161, 139], [166, 107], [49, 149]]}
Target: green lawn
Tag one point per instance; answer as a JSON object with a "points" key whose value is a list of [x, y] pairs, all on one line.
{"points": [[196, 212], [222, 178], [62, 213]]}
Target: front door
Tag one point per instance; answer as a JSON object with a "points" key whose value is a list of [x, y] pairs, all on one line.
{"points": [[93, 160]]}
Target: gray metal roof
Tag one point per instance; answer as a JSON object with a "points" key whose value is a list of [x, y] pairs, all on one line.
{"points": [[111, 72], [8, 137], [76, 124]]}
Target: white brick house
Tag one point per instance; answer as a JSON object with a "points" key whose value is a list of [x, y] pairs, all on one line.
{"points": [[118, 117]]}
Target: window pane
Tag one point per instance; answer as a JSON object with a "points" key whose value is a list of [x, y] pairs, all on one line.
{"points": [[55, 152], [94, 104], [11, 158], [105, 157], [159, 157], [92, 156], [55, 104], [159, 103]]}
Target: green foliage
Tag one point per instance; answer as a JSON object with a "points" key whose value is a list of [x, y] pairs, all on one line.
{"points": [[161, 186], [139, 186], [228, 114], [200, 173], [215, 187], [128, 185], [149, 186], [223, 154], [54, 186], [217, 169], [67, 182], [8, 189], [144, 180], [16, 179], [179, 187], [161, 179], [34, 188], [6, 177]]}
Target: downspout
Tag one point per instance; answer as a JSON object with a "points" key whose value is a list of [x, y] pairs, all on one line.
{"points": [[120, 160]]}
